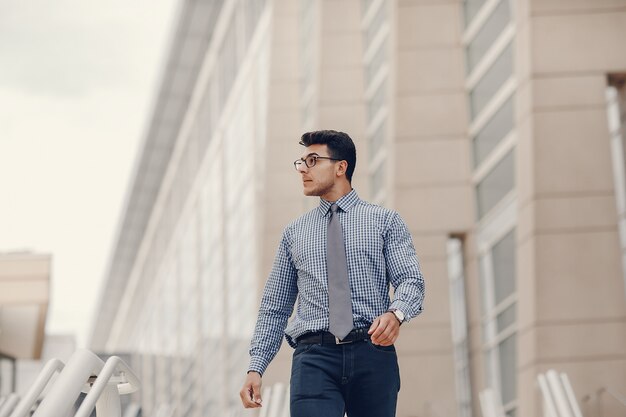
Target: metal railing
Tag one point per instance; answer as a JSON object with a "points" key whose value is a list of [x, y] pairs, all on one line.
{"points": [[8, 404], [28, 401], [599, 397], [558, 396], [103, 382], [490, 403]]}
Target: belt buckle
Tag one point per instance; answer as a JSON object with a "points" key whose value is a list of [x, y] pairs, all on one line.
{"points": [[340, 342]]}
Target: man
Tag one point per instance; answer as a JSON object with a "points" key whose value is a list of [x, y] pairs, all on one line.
{"points": [[338, 260]]}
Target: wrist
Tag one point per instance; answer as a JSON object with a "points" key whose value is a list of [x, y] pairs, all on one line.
{"points": [[397, 314]]}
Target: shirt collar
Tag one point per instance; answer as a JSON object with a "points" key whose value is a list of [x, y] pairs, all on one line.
{"points": [[345, 203]]}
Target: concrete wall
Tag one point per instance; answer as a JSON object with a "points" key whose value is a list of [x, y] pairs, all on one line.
{"points": [[572, 312]]}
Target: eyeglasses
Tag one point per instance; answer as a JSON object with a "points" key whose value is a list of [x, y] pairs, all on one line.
{"points": [[310, 161]]}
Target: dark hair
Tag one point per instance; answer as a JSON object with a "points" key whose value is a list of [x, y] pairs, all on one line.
{"points": [[340, 146]]}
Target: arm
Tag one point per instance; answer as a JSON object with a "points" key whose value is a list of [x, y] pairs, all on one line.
{"points": [[404, 273], [403, 269], [276, 306]]}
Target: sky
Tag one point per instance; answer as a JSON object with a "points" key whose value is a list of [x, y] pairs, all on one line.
{"points": [[78, 79]]}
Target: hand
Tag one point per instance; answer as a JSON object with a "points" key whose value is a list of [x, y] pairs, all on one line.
{"points": [[385, 329], [251, 392]]}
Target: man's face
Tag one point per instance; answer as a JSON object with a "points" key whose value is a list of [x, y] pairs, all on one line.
{"points": [[319, 179]]}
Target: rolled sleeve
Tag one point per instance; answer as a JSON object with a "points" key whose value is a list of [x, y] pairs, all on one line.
{"points": [[403, 269], [276, 307]]}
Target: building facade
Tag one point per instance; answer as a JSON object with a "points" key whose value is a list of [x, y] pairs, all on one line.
{"points": [[494, 127], [24, 298]]}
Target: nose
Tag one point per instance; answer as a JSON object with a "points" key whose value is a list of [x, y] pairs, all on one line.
{"points": [[302, 167]]}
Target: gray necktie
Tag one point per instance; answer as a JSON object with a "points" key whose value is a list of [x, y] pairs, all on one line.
{"points": [[339, 299]]}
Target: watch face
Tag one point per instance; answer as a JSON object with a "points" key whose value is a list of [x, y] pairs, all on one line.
{"points": [[399, 314]]}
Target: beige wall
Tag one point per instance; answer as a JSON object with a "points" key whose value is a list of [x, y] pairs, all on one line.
{"points": [[431, 188], [572, 311]]}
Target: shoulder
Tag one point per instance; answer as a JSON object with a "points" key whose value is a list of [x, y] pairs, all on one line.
{"points": [[300, 223], [375, 212]]}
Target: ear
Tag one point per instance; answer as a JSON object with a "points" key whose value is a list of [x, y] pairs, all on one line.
{"points": [[342, 168]]}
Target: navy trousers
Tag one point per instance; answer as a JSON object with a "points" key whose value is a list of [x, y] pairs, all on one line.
{"points": [[359, 379]]}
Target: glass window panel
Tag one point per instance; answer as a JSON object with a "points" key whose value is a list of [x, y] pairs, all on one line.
{"points": [[306, 6], [506, 318], [504, 267], [484, 288], [490, 361], [471, 7], [496, 184], [500, 124], [487, 34], [377, 101], [378, 179], [374, 66], [508, 362], [490, 83], [227, 63], [375, 25], [365, 6], [377, 140]]}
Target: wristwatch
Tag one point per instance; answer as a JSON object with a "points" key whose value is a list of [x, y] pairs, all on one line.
{"points": [[398, 313]]}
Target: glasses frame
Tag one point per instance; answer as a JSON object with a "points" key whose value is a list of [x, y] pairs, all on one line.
{"points": [[298, 162]]}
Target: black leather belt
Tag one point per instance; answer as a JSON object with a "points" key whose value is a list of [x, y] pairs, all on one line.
{"points": [[326, 338]]}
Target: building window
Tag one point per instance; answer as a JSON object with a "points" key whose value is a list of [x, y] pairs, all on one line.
{"points": [[308, 59], [487, 35], [378, 101], [496, 129], [496, 184], [377, 141], [495, 77], [471, 8], [499, 299], [616, 112], [377, 181], [377, 62], [376, 24], [458, 314]]}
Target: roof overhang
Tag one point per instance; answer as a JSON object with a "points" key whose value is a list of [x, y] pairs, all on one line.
{"points": [[24, 297]]}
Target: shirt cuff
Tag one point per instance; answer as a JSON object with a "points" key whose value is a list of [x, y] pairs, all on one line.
{"points": [[258, 364], [404, 307]]}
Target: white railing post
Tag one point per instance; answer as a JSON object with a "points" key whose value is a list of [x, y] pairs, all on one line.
{"points": [[108, 404], [84, 372], [567, 386], [549, 404], [558, 392], [106, 390], [558, 396], [67, 387], [26, 404], [9, 404], [490, 404]]}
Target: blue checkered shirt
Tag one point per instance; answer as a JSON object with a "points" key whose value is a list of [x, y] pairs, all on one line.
{"points": [[379, 251]]}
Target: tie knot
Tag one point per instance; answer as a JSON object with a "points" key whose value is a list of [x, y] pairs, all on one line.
{"points": [[333, 208]]}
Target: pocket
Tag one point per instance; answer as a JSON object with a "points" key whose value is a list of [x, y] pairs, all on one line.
{"points": [[302, 348], [378, 348]]}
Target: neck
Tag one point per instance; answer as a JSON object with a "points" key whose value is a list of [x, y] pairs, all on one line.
{"points": [[337, 192]]}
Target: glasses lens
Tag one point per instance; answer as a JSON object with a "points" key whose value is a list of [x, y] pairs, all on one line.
{"points": [[310, 161]]}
